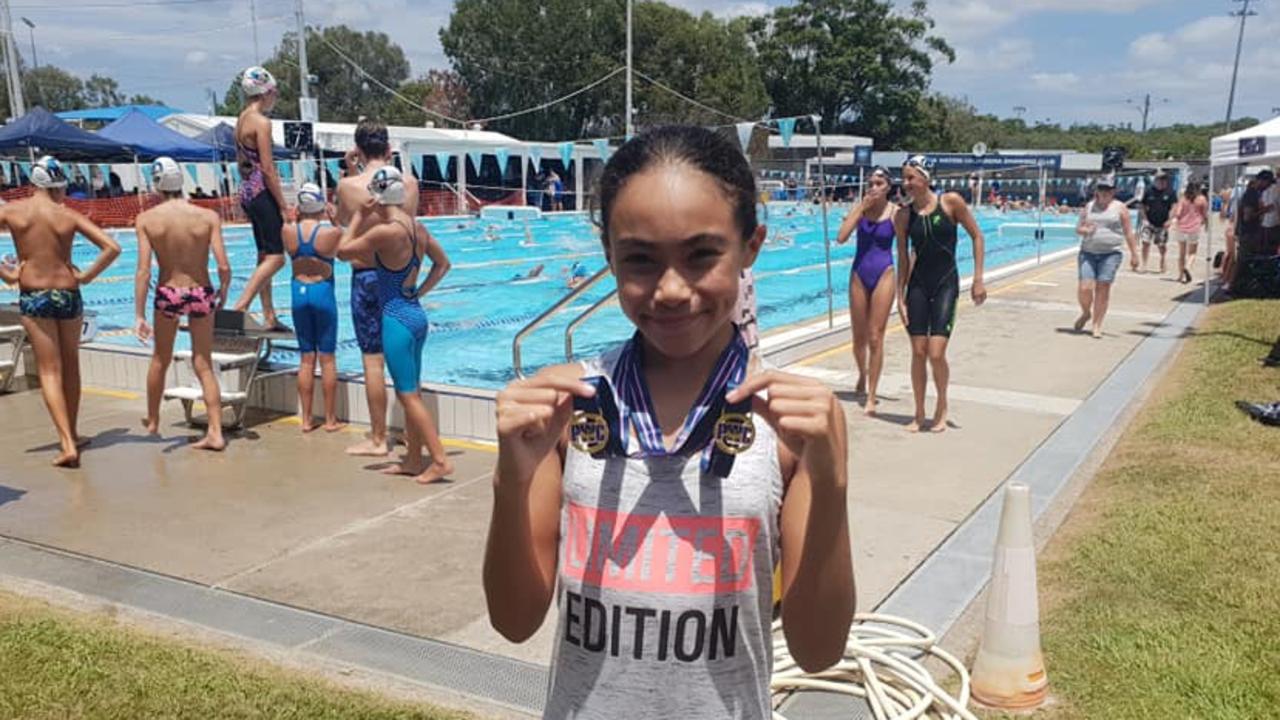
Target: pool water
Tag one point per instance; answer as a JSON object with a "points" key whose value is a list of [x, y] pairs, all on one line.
{"points": [[484, 301]]}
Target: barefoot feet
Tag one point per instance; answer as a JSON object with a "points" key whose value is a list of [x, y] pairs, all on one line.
{"points": [[333, 425], [369, 448], [436, 471], [1080, 321], [151, 425], [212, 444], [68, 459]]}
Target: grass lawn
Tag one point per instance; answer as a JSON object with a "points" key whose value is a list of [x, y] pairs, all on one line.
{"points": [[56, 664], [1162, 590]]}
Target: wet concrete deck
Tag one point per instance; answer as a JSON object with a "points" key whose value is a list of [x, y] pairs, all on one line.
{"points": [[289, 518]]}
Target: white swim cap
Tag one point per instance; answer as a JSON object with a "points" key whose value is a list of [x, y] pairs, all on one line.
{"points": [[257, 81], [310, 198], [920, 164], [387, 186], [48, 173], [166, 176]]}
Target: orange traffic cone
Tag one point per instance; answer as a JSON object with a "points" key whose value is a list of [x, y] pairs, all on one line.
{"points": [[1008, 672]]}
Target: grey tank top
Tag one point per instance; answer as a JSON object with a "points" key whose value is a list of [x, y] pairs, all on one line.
{"points": [[665, 586], [1108, 235]]}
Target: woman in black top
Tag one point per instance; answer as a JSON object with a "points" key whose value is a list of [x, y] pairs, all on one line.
{"points": [[929, 281]]}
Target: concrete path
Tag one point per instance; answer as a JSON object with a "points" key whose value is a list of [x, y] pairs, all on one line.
{"points": [[289, 519]]}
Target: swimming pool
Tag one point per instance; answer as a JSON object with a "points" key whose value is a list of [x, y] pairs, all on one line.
{"points": [[484, 301]]}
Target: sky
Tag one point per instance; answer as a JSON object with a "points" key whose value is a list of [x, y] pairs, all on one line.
{"points": [[1059, 60]]}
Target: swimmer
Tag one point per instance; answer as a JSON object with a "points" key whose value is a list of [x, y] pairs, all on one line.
{"points": [[577, 275], [394, 239], [929, 284], [680, 223], [871, 282], [182, 236], [311, 247], [44, 230], [261, 197], [373, 152]]}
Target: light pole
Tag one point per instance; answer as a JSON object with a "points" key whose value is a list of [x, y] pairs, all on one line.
{"points": [[31, 27], [1144, 107], [1244, 14]]}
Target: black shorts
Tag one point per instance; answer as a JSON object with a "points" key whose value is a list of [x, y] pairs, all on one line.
{"points": [[931, 311], [264, 215]]}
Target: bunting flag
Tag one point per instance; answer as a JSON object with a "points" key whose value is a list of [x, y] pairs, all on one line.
{"points": [[503, 156], [476, 158], [744, 134], [787, 127], [566, 154], [286, 170], [442, 162], [334, 167], [535, 157], [218, 174], [84, 171], [416, 161], [194, 172], [602, 147], [26, 168], [147, 173], [106, 174], [233, 169]]}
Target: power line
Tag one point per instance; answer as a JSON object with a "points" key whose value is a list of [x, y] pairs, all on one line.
{"points": [[690, 100], [63, 7]]}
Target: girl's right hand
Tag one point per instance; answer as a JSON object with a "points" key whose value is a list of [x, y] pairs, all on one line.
{"points": [[902, 314], [532, 416]]}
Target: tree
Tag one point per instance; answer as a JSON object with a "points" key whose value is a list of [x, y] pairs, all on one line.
{"points": [[52, 88], [517, 54], [447, 94], [857, 63], [100, 92], [145, 100], [345, 94]]}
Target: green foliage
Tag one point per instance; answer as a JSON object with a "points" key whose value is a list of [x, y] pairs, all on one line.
{"points": [[102, 92], [861, 66], [345, 94], [515, 54], [948, 124], [56, 90]]}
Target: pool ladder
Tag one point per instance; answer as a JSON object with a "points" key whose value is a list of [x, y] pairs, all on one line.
{"points": [[557, 307]]}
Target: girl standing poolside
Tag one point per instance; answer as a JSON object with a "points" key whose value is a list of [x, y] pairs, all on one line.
{"points": [[49, 300], [871, 279], [929, 285], [311, 247], [655, 519], [396, 240]]}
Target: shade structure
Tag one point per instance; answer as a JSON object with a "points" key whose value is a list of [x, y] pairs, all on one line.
{"points": [[149, 139], [40, 132], [223, 138]]}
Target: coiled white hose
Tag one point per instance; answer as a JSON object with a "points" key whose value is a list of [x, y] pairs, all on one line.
{"points": [[883, 663]]}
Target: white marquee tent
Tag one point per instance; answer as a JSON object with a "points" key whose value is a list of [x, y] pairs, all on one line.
{"points": [[1257, 145]]}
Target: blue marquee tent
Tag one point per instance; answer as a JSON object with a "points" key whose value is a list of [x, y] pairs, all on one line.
{"points": [[111, 114], [40, 132], [149, 139], [223, 137]]}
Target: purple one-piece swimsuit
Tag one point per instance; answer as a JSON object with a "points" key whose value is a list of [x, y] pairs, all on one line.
{"points": [[875, 251]]}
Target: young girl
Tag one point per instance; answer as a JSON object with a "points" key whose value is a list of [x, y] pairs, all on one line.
{"points": [[655, 520], [311, 248], [395, 240], [49, 299], [1190, 218], [929, 286], [871, 280]]}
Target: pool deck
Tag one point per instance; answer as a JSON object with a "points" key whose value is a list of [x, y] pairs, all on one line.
{"points": [[290, 520]]}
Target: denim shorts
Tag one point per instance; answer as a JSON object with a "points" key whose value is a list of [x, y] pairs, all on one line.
{"points": [[1100, 267]]}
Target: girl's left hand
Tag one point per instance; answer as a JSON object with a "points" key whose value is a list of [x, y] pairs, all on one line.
{"points": [[804, 413]]}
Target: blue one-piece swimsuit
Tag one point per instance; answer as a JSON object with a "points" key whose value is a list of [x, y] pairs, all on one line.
{"points": [[315, 305], [404, 323]]}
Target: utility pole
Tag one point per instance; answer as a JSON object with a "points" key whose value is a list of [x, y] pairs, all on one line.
{"points": [[305, 87], [17, 106], [253, 20], [630, 129], [1145, 108], [1244, 13]]}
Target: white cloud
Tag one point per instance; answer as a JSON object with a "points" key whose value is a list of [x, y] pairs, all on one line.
{"points": [[1055, 81], [1151, 48], [195, 57]]}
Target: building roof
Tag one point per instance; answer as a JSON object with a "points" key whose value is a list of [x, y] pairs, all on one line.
{"points": [[111, 114]]}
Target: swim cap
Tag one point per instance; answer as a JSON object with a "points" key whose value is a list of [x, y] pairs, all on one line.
{"points": [[166, 175], [257, 81], [921, 164], [387, 185], [48, 173], [310, 198]]}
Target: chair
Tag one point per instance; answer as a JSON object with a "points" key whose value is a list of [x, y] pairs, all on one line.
{"points": [[17, 339]]}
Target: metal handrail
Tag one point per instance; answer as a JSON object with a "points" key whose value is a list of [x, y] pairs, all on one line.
{"points": [[568, 331], [542, 317]]}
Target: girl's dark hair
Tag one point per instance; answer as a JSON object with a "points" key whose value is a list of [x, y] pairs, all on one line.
{"points": [[697, 147]]}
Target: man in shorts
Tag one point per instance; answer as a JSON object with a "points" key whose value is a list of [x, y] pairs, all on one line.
{"points": [[372, 151], [1270, 213], [1155, 208]]}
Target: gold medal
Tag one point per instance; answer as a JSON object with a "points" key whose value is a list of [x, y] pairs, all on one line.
{"points": [[734, 433], [589, 432]]}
